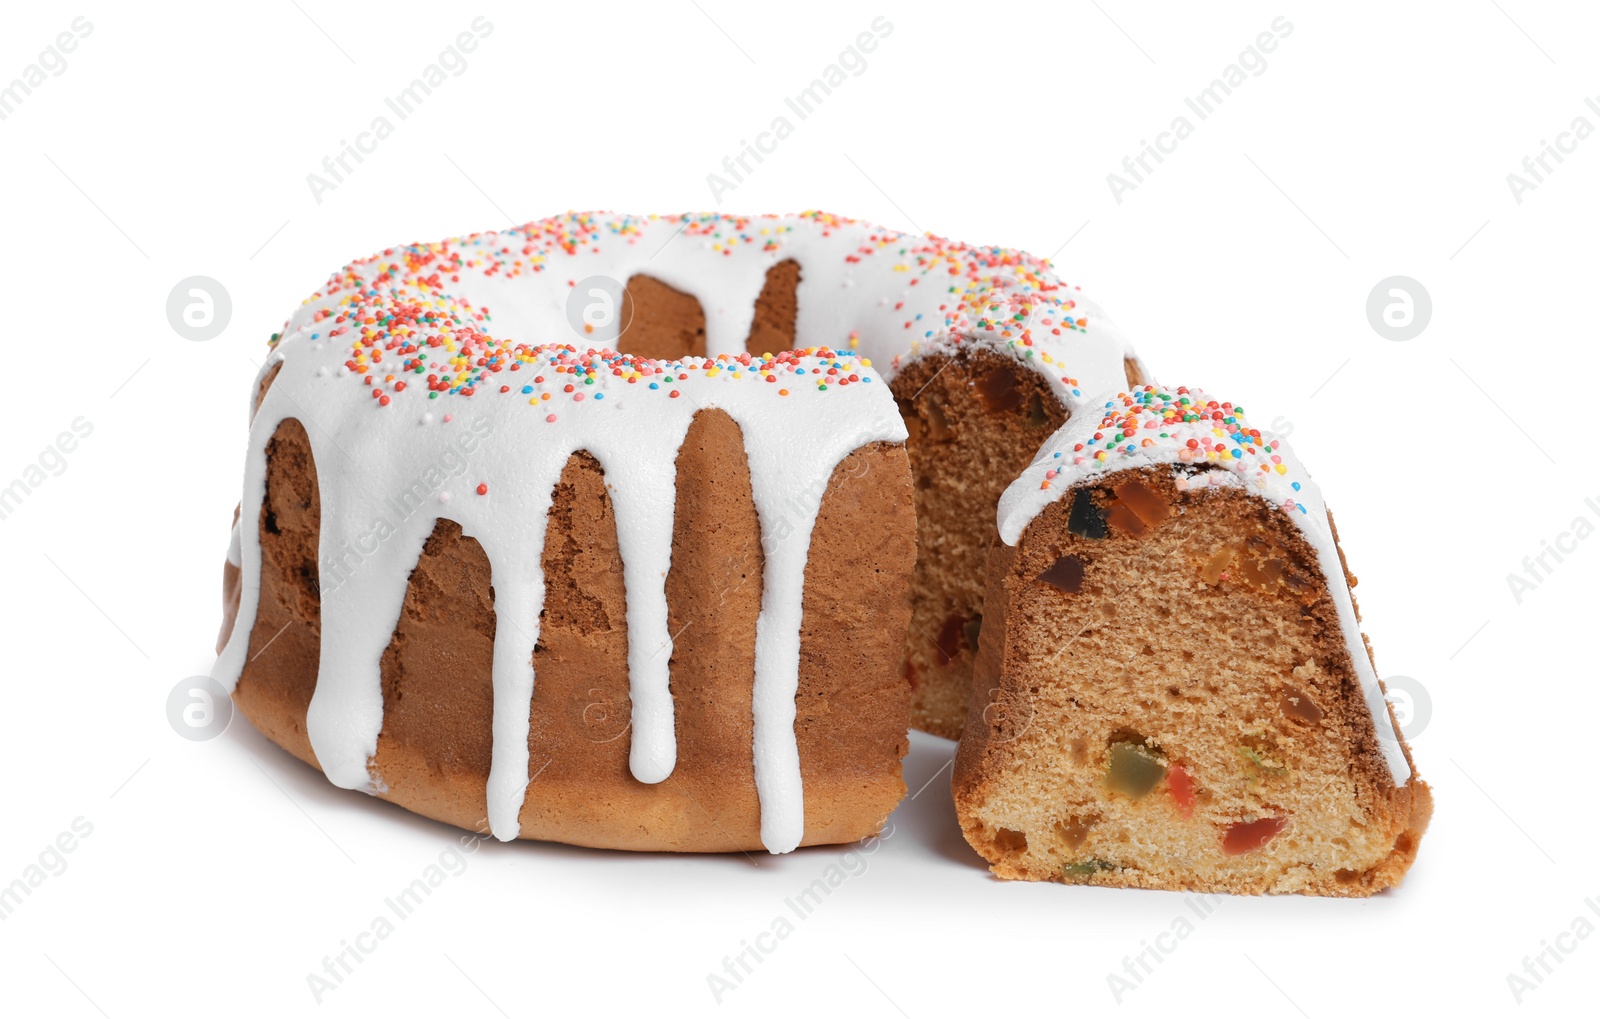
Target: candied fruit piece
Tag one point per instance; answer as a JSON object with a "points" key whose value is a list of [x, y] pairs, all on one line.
{"points": [[1000, 389], [951, 637], [939, 429], [1261, 573], [1134, 770], [1086, 520], [1299, 706], [1083, 870], [1245, 836], [1260, 762], [1065, 574], [1181, 786], [1125, 520], [1035, 416], [913, 423], [1217, 565], [1145, 504], [1075, 830]]}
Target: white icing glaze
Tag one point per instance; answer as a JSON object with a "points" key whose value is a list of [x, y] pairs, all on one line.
{"points": [[1255, 461], [389, 469]]}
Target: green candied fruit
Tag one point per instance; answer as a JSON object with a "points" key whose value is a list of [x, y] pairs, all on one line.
{"points": [[1085, 519], [1262, 765], [1076, 873], [1134, 770]]}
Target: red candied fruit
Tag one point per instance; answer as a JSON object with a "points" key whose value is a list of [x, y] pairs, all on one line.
{"points": [[1246, 836]]}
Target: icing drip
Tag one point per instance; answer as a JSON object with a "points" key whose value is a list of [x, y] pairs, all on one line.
{"points": [[420, 404], [1182, 426]]}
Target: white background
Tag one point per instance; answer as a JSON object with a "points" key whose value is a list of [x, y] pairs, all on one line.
{"points": [[1376, 142]]}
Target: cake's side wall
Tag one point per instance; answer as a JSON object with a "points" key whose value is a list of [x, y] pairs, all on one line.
{"points": [[433, 749], [277, 682], [975, 419]]}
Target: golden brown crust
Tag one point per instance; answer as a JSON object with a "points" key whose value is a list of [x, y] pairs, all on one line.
{"points": [[975, 420], [279, 676], [433, 750], [1196, 634]]}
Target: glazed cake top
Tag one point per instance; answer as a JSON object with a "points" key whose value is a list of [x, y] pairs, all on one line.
{"points": [[458, 314], [1180, 426]]}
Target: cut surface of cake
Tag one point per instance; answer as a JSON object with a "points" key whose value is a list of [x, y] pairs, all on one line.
{"points": [[600, 529], [1172, 689]]}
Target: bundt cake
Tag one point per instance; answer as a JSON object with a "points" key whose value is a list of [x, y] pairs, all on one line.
{"points": [[605, 529], [1172, 689]]}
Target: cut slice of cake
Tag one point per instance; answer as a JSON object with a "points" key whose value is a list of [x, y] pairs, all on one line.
{"points": [[1171, 688]]}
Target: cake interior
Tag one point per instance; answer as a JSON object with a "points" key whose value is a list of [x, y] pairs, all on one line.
{"points": [[975, 420], [1167, 702]]}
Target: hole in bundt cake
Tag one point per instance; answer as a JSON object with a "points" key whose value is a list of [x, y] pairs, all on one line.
{"points": [[974, 420], [773, 327], [660, 321]]}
